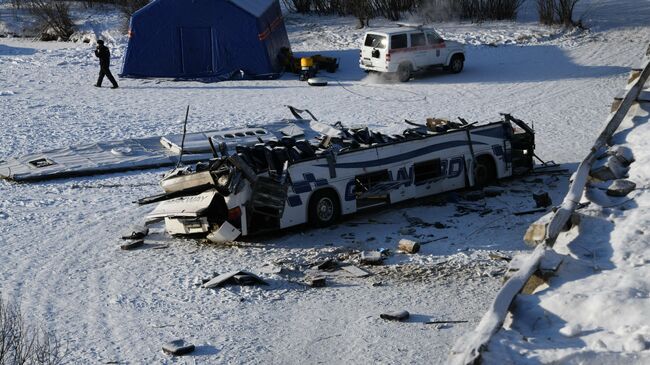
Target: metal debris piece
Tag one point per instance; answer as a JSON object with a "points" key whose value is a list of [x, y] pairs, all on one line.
{"points": [[317, 282], [356, 271], [178, 347], [395, 316], [130, 245], [326, 265], [371, 258], [136, 232], [234, 277], [542, 199], [408, 246]]}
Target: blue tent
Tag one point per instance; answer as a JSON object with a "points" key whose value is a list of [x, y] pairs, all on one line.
{"points": [[206, 39]]}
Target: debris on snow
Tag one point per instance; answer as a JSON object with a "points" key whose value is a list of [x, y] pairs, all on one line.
{"points": [[135, 233], [316, 282], [356, 271], [371, 258], [178, 347], [408, 246], [130, 245], [542, 199], [395, 315], [234, 277]]}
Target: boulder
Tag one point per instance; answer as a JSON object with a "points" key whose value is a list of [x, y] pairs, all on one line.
{"points": [[621, 187]]}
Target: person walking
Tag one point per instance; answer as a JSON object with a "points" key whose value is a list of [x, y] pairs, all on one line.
{"points": [[104, 54]]}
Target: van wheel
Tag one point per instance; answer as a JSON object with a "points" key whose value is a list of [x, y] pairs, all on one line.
{"points": [[324, 208], [484, 172], [404, 72], [456, 64]]}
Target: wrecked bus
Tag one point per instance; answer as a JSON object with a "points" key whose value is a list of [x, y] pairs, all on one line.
{"points": [[292, 180]]}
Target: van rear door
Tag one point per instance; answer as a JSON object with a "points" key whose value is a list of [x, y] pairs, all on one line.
{"points": [[373, 52]]}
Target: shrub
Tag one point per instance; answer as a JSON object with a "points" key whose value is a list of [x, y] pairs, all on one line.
{"points": [[53, 18], [23, 344]]}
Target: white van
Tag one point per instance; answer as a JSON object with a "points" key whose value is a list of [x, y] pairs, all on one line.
{"points": [[406, 49]]}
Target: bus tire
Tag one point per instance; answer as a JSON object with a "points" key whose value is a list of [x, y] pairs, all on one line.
{"points": [[324, 208]]}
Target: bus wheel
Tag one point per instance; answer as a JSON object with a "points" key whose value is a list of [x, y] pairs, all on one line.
{"points": [[484, 172], [324, 208]]}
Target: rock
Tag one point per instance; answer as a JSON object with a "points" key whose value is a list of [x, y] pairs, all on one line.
{"points": [[371, 258], [542, 199], [408, 246], [621, 187], [395, 316], [623, 154], [608, 169], [178, 347]]}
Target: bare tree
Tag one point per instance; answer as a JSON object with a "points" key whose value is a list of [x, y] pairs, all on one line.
{"points": [[23, 344], [546, 11], [54, 18], [564, 10]]}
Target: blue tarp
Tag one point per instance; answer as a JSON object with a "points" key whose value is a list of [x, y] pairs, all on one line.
{"points": [[211, 39]]}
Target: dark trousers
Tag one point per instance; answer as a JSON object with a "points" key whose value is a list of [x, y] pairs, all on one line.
{"points": [[105, 71]]}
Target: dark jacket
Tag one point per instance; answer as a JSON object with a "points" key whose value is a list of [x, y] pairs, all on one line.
{"points": [[104, 55]]}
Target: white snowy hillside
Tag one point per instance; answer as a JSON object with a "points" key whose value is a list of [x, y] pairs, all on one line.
{"points": [[60, 240]]}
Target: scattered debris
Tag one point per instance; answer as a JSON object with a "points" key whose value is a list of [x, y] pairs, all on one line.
{"points": [[395, 316], [542, 199], [532, 211], [226, 233], [492, 191], [135, 233], [434, 240], [496, 255], [439, 225], [371, 258], [356, 271], [474, 195], [270, 269], [132, 244], [234, 277], [444, 322], [407, 231], [408, 246], [326, 265], [178, 347], [621, 187], [316, 282]]}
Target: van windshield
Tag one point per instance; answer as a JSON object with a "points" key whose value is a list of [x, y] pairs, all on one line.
{"points": [[375, 41]]}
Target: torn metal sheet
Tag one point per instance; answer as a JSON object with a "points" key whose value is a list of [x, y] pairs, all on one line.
{"points": [[145, 153]]}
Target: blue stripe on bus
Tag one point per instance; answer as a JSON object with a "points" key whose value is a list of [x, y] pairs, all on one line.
{"points": [[294, 200], [403, 156]]}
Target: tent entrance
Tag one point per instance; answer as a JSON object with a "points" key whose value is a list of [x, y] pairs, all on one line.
{"points": [[196, 49]]}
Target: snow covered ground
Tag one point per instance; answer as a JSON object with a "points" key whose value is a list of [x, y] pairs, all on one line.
{"points": [[60, 256]]}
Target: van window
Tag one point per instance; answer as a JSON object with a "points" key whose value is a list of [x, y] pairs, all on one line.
{"points": [[417, 40], [375, 41], [398, 41], [433, 38]]}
